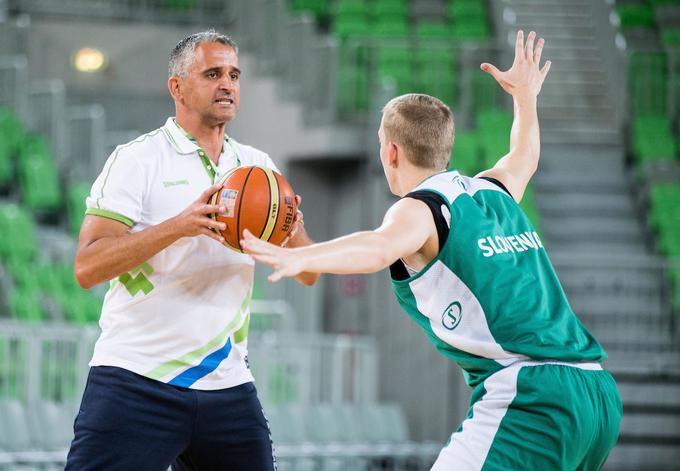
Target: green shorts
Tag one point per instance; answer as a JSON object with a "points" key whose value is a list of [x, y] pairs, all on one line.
{"points": [[537, 416]]}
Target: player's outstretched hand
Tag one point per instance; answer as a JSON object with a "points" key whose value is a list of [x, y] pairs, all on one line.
{"points": [[195, 219], [284, 261], [297, 222], [524, 79]]}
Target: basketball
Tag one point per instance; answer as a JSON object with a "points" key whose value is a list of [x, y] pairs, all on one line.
{"points": [[258, 199]]}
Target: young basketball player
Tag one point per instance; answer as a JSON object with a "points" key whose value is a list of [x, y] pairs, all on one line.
{"points": [[470, 269]]}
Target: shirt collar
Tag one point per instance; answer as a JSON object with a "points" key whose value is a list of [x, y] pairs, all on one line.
{"points": [[179, 140]]}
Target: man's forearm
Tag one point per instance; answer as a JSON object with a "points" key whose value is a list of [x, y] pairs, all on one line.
{"points": [[360, 252], [302, 239], [525, 138], [109, 257]]}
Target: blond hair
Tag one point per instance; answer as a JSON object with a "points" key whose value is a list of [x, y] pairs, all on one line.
{"points": [[423, 126]]}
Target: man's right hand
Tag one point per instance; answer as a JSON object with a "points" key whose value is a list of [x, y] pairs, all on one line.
{"points": [[195, 219], [524, 79]]}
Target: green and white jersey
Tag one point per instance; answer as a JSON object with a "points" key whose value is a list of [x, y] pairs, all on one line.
{"points": [[182, 316], [491, 297]]}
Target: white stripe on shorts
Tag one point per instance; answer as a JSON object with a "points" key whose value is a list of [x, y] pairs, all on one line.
{"points": [[468, 448]]}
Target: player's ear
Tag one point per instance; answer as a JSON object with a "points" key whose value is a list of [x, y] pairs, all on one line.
{"points": [[174, 87], [393, 153]]}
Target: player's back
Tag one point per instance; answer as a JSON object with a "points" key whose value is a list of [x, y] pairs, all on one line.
{"points": [[491, 297]]}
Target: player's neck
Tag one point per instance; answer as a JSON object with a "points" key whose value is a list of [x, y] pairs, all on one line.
{"points": [[413, 177], [209, 137]]}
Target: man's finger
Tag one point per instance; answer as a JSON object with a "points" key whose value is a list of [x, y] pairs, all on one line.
{"points": [[545, 69], [530, 46], [274, 277], [298, 199], [538, 51], [208, 192], [492, 70], [519, 45]]}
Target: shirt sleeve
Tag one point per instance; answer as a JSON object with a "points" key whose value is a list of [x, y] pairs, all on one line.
{"points": [[118, 191]]}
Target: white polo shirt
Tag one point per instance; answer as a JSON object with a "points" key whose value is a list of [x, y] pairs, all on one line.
{"points": [[182, 316]]}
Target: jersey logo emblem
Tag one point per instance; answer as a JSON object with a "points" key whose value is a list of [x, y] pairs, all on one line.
{"points": [[461, 183], [452, 316]]}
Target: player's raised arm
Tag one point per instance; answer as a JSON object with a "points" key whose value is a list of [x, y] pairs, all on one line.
{"points": [[406, 227], [523, 81]]}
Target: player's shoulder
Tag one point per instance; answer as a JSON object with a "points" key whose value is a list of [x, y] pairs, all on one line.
{"points": [[250, 155], [142, 144]]}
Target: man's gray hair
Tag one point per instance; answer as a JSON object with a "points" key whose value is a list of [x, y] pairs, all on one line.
{"points": [[181, 56]]}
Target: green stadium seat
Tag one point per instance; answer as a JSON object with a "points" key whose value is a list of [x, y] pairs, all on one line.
{"points": [[18, 233], [671, 37], [389, 29], [485, 92], [352, 89], [38, 176], [471, 30], [430, 30], [648, 72], [465, 155], [25, 304], [494, 126], [11, 136], [76, 194], [441, 85], [350, 8], [388, 11], [317, 7], [634, 16], [652, 139], [466, 9], [351, 25]]}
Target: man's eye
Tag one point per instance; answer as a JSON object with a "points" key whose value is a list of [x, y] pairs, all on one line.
{"points": [[212, 74], [234, 77]]}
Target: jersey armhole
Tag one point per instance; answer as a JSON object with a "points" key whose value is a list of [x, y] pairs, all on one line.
{"points": [[435, 202], [497, 183]]}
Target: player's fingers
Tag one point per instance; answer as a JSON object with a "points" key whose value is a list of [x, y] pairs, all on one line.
{"points": [[266, 259], [212, 224], [274, 277], [212, 235], [519, 45], [208, 192], [298, 200], [211, 209], [538, 51], [529, 52], [545, 69], [492, 70]]}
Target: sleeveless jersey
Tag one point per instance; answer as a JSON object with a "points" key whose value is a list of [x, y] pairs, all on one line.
{"points": [[491, 296]]}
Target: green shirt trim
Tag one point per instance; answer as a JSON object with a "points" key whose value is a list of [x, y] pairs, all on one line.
{"points": [[110, 215]]}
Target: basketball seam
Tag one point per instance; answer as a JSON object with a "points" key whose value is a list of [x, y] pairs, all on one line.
{"points": [[278, 187], [268, 230], [238, 217], [266, 220]]}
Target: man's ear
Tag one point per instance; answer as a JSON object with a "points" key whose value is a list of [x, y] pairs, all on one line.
{"points": [[174, 87], [393, 154]]}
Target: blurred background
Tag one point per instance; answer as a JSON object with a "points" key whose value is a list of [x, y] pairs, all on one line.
{"points": [[347, 379]]}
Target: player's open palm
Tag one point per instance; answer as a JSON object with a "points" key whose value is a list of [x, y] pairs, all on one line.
{"points": [[284, 261], [524, 79]]}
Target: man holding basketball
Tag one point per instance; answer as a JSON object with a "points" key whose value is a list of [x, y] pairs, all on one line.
{"points": [[470, 269], [170, 383]]}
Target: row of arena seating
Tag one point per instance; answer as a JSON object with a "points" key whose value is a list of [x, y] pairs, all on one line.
{"points": [[652, 31]]}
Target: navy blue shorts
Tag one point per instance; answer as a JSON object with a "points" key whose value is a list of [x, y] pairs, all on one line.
{"points": [[129, 422]]}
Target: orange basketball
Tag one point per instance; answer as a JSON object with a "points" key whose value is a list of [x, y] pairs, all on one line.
{"points": [[257, 199]]}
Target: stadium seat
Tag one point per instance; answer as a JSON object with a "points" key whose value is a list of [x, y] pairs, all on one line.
{"points": [[318, 7], [431, 30], [465, 155], [652, 139], [495, 126], [76, 195], [648, 75], [38, 176], [17, 228], [634, 16]]}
